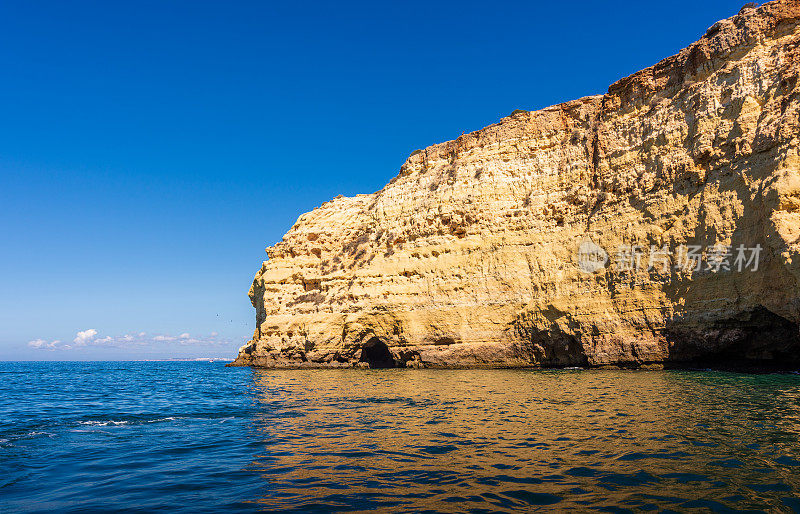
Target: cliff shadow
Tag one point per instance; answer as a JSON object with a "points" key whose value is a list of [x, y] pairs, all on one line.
{"points": [[756, 324], [545, 342]]}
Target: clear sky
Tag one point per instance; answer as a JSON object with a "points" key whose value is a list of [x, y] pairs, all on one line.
{"points": [[150, 150]]}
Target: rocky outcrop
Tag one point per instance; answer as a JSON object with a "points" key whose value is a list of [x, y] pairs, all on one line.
{"points": [[569, 236]]}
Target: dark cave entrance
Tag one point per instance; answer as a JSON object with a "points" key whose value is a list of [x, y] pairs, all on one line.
{"points": [[752, 339], [376, 354]]}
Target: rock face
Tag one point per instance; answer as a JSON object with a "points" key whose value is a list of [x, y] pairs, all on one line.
{"points": [[567, 236]]}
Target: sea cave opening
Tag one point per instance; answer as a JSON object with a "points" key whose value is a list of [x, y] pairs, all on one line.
{"points": [[376, 354]]}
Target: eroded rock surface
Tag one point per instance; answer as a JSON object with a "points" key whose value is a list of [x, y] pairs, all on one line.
{"points": [[469, 256]]}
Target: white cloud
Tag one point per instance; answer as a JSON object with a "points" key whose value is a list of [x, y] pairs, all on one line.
{"points": [[38, 343], [47, 345], [85, 336], [91, 339]]}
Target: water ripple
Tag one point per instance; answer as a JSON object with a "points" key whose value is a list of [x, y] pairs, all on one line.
{"points": [[200, 437]]}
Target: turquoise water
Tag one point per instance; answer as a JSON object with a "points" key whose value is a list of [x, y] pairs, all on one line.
{"points": [[203, 438]]}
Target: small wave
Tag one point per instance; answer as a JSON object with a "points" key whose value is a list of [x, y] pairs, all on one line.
{"points": [[111, 422], [103, 423], [26, 435], [160, 420]]}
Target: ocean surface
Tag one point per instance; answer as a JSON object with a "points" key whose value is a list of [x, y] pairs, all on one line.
{"points": [[199, 437]]}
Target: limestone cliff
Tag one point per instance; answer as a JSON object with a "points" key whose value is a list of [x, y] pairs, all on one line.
{"points": [[474, 254]]}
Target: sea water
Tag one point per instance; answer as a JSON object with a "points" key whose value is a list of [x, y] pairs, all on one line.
{"points": [[199, 437]]}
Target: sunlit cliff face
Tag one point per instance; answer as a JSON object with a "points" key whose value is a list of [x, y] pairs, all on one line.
{"points": [[472, 255]]}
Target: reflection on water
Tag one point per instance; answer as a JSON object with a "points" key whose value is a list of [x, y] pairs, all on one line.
{"points": [[495, 439], [197, 437]]}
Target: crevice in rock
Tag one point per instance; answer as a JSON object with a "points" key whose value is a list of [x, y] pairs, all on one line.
{"points": [[593, 152]]}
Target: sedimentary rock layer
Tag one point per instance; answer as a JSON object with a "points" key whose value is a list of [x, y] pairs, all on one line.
{"points": [[486, 250]]}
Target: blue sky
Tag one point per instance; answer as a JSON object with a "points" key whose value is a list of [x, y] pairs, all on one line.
{"points": [[149, 151]]}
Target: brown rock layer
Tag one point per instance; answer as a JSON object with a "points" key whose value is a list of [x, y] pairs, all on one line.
{"points": [[469, 257]]}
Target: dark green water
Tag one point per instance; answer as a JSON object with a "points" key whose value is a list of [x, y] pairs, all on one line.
{"points": [[199, 437]]}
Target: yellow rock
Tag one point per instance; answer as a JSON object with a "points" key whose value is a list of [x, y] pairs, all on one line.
{"points": [[473, 255]]}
